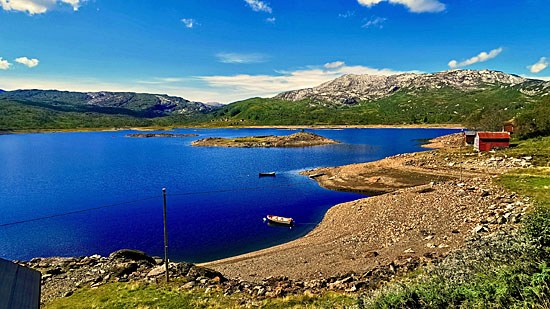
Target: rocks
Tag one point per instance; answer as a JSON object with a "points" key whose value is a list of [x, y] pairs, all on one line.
{"points": [[60, 276], [302, 139], [480, 229], [156, 271], [349, 89], [134, 255]]}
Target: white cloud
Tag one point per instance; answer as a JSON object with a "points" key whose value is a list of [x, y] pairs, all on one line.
{"points": [[37, 6], [416, 6], [241, 58], [4, 64], [539, 66], [244, 86], [545, 78], [334, 65], [224, 89], [28, 62], [189, 22], [161, 80], [376, 22], [346, 14], [270, 19], [259, 6], [483, 56]]}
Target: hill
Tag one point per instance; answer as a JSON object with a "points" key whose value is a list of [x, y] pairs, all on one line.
{"points": [[52, 109], [480, 99]]}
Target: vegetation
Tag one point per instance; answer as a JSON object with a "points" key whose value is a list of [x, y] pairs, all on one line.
{"points": [[508, 270], [142, 295], [483, 109]]}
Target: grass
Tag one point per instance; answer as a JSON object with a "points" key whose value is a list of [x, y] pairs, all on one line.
{"points": [[142, 295], [537, 147]]}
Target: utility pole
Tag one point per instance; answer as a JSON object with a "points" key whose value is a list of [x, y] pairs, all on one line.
{"points": [[460, 150], [165, 237]]}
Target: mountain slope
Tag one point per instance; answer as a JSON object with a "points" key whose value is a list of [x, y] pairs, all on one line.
{"points": [[52, 109], [479, 99], [350, 89], [144, 104]]}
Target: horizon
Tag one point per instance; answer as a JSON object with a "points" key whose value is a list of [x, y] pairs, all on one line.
{"points": [[208, 51]]}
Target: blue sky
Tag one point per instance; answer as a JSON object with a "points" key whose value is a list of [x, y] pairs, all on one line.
{"points": [[212, 50]]}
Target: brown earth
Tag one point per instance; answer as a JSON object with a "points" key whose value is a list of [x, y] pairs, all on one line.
{"points": [[426, 210], [302, 139]]}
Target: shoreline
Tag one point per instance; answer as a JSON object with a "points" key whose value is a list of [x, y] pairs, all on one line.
{"points": [[291, 127], [403, 222]]}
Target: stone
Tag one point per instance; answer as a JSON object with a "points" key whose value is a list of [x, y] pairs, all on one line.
{"points": [[480, 229], [156, 271], [189, 285], [410, 250], [124, 269], [134, 255]]}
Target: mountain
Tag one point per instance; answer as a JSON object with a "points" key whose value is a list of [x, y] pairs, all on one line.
{"points": [[477, 99], [136, 104], [52, 109], [351, 89]]}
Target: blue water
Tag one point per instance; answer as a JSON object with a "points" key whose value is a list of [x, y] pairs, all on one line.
{"points": [[48, 174]]}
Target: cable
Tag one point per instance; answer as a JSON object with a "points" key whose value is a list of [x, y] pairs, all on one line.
{"points": [[78, 211], [145, 199], [236, 190]]}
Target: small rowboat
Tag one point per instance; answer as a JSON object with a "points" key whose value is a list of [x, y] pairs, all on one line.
{"points": [[266, 174], [280, 220]]}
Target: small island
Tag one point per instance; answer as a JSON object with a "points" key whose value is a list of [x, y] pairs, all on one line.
{"points": [[302, 139], [159, 135]]}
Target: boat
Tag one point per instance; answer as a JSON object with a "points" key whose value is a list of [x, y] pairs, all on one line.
{"points": [[266, 174], [280, 220], [316, 175]]}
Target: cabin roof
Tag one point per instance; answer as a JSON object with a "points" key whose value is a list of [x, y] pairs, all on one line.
{"points": [[470, 133], [493, 135]]}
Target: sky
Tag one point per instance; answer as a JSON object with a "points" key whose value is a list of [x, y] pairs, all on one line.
{"points": [[224, 51]]}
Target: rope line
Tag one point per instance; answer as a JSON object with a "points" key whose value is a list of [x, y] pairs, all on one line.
{"points": [[78, 211], [145, 199]]}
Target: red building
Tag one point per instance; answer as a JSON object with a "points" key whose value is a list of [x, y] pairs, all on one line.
{"points": [[485, 141]]}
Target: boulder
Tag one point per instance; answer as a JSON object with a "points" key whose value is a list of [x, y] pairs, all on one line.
{"points": [[134, 255]]}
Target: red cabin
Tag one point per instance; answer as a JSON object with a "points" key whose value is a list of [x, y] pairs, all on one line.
{"points": [[486, 141]]}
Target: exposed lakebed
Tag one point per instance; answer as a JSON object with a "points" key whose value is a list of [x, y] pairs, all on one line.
{"points": [[53, 173]]}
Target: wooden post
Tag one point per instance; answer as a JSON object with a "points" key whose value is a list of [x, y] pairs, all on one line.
{"points": [[165, 237], [462, 141]]}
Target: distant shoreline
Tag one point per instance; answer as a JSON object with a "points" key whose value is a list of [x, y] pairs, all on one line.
{"points": [[292, 127]]}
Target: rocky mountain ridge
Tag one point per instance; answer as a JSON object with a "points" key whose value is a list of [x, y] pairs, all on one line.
{"points": [[149, 104], [351, 89]]}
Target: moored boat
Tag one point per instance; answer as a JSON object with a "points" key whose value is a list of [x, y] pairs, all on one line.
{"points": [[280, 220], [266, 174]]}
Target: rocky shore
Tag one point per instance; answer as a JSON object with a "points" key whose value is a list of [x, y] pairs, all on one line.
{"points": [[302, 139], [159, 135]]}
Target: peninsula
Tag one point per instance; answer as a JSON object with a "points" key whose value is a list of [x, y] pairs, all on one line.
{"points": [[301, 139], [160, 135]]}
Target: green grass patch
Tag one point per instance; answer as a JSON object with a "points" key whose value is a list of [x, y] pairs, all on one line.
{"points": [[142, 295]]}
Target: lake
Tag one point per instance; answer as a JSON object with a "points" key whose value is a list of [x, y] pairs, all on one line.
{"points": [[55, 173]]}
